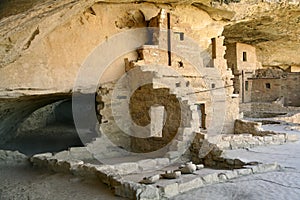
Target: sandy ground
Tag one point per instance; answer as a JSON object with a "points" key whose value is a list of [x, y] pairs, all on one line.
{"points": [[22, 182]]}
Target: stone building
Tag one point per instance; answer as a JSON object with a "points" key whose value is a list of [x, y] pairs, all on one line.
{"points": [[276, 85], [241, 58], [188, 85], [256, 84]]}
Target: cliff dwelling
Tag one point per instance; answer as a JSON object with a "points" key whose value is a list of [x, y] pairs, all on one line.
{"points": [[149, 99]]}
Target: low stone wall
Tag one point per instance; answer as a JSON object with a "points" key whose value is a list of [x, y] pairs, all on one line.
{"points": [[209, 152], [111, 176], [12, 157], [174, 189], [82, 154], [265, 110], [248, 141], [250, 127], [290, 119]]}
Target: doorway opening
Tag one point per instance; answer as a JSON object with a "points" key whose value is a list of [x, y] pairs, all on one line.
{"points": [[202, 115]]}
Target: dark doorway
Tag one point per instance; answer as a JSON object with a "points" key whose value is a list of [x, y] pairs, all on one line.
{"points": [[202, 115]]}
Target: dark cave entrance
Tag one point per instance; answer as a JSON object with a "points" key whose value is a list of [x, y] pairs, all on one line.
{"points": [[46, 127]]}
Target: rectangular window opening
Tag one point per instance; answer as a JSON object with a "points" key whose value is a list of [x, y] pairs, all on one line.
{"points": [[244, 56], [213, 43], [246, 85], [268, 85], [180, 34]]}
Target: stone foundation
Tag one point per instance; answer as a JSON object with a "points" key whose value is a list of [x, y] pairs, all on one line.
{"points": [[115, 177], [243, 141], [265, 110], [249, 127]]}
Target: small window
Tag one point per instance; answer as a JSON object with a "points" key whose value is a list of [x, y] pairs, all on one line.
{"points": [[213, 85], [246, 85], [268, 85], [187, 84], [180, 64], [214, 46], [244, 56], [177, 84], [181, 36]]}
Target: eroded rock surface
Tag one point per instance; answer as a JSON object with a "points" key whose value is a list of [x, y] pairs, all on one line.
{"points": [[272, 27]]}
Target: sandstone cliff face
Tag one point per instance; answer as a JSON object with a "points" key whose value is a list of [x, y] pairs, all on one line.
{"points": [[271, 26], [43, 45], [51, 40], [43, 48]]}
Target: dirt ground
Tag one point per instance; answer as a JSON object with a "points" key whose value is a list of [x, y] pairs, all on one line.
{"points": [[22, 182]]}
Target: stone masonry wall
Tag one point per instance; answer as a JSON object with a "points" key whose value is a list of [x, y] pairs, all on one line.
{"points": [[275, 84], [258, 110], [253, 128], [217, 95], [140, 104]]}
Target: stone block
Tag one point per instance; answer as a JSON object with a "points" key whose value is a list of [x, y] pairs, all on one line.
{"points": [[127, 168], [115, 181], [266, 168], [292, 137], [12, 157], [199, 166], [150, 179], [63, 155], [244, 172], [195, 183], [211, 178], [84, 170], [74, 165], [148, 164], [281, 137], [62, 166], [81, 153], [232, 174], [222, 177], [227, 137], [238, 143], [104, 177], [51, 163], [149, 193], [42, 156], [162, 162], [268, 139], [128, 189], [171, 190], [224, 145]]}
